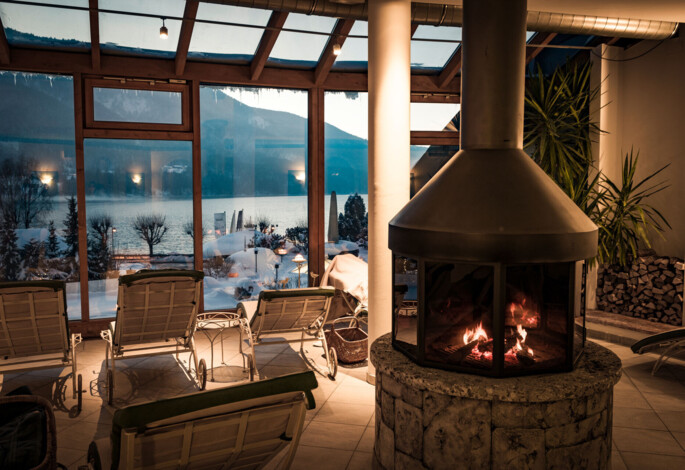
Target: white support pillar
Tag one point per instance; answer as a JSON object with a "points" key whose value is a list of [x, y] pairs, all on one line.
{"points": [[389, 95]]}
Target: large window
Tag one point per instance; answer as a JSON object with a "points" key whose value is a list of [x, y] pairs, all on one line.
{"points": [[38, 210], [254, 191], [346, 173], [140, 212]]}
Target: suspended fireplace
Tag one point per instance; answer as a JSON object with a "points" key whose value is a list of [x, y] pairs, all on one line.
{"points": [[485, 256]]}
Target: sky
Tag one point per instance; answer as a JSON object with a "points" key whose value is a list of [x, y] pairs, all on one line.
{"points": [[345, 111]]}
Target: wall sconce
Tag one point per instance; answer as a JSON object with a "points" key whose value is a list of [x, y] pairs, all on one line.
{"points": [[136, 179], [337, 49], [300, 176], [46, 179]]}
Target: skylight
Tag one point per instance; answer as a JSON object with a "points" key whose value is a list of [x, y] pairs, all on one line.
{"points": [[139, 35], [221, 42], [433, 55], [39, 26], [354, 54], [301, 49]]}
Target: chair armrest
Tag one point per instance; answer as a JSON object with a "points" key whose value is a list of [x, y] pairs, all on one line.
{"points": [[100, 454], [247, 309]]}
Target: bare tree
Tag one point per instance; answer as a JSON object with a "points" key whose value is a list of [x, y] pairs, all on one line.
{"points": [[189, 229], [151, 228]]}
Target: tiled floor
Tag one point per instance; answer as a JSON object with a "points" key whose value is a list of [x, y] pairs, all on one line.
{"points": [[649, 412]]}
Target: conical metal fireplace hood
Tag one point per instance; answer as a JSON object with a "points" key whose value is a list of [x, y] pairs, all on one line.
{"points": [[491, 202]]}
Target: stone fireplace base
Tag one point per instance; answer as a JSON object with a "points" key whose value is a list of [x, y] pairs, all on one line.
{"points": [[433, 419]]}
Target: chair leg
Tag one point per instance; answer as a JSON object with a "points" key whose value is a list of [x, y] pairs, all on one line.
{"points": [[667, 354], [194, 353]]}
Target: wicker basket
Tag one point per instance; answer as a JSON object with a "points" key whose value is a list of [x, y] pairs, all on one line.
{"points": [[350, 344]]}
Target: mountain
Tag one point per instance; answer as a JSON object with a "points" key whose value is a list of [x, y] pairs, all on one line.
{"points": [[246, 151]]}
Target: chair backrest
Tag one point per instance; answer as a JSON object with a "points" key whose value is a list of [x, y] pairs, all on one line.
{"points": [[33, 319], [155, 306], [243, 426], [281, 311]]}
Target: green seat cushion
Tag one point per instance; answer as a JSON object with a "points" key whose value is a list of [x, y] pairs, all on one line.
{"points": [[304, 292], [153, 274], [139, 416]]}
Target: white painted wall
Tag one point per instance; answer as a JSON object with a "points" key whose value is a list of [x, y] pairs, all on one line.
{"points": [[643, 106]]}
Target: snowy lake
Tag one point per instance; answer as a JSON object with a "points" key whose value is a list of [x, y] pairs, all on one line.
{"points": [[283, 211]]}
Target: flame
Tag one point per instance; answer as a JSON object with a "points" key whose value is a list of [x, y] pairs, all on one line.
{"points": [[478, 334]]}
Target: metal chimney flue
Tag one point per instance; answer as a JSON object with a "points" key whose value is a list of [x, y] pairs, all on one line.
{"points": [[491, 202], [493, 61]]}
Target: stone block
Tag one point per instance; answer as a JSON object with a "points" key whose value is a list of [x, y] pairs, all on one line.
{"points": [[516, 449], [460, 433], [392, 386], [379, 388], [408, 429], [603, 427], [385, 442], [591, 455], [574, 433], [564, 412], [412, 396], [388, 409], [404, 462], [433, 403], [517, 415]]}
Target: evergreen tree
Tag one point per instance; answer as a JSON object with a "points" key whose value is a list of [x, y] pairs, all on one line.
{"points": [[352, 225], [9, 254], [71, 234], [98, 244], [52, 248]]}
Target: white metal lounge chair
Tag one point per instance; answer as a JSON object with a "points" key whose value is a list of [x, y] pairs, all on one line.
{"points": [[34, 330], [281, 312], [672, 342], [156, 314], [244, 426]]}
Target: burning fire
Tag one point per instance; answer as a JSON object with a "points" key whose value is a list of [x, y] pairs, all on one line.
{"points": [[480, 337]]}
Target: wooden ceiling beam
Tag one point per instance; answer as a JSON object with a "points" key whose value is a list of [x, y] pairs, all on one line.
{"points": [[186, 34], [266, 45], [94, 33], [540, 39], [4, 46], [451, 69], [42, 61], [414, 27], [338, 36], [612, 41]]}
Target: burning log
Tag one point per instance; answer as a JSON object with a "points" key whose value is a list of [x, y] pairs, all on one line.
{"points": [[462, 353], [525, 356]]}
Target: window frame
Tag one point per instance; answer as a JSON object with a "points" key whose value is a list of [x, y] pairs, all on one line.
{"points": [[142, 85]]}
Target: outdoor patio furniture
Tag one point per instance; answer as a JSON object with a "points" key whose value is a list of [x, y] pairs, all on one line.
{"points": [[244, 426], [156, 314], [673, 343], [280, 312], [213, 325], [349, 275], [34, 330], [28, 434]]}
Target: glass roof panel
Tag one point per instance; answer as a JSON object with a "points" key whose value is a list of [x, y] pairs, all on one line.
{"points": [[433, 116], [139, 35], [218, 42], [29, 25], [433, 55], [354, 54], [301, 49]]}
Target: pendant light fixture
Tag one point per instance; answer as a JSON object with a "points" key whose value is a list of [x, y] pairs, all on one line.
{"points": [[163, 31]]}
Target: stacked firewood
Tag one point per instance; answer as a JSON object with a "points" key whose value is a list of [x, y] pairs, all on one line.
{"points": [[651, 288]]}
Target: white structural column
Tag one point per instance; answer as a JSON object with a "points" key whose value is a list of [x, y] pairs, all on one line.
{"points": [[389, 95]]}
